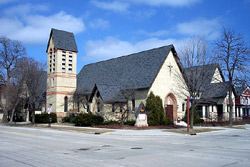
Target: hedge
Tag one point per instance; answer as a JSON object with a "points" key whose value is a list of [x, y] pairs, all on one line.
{"points": [[88, 119], [44, 118]]}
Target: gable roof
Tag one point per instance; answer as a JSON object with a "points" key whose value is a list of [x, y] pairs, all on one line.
{"points": [[202, 76], [109, 94], [135, 71], [207, 72], [215, 90], [63, 40]]}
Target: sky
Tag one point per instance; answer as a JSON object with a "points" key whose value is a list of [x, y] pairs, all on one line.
{"points": [[106, 29]]}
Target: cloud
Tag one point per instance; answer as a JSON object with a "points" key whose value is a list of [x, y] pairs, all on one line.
{"points": [[115, 6], [34, 28], [158, 33], [201, 27], [173, 3], [2, 2], [112, 47], [24, 9], [99, 24]]}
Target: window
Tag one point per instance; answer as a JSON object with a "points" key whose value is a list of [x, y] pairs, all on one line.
{"points": [[121, 107], [98, 107], [70, 70], [133, 104], [200, 111], [113, 107], [88, 108], [66, 104], [206, 112], [183, 107]]}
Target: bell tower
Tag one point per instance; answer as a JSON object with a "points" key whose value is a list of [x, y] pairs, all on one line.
{"points": [[61, 72]]}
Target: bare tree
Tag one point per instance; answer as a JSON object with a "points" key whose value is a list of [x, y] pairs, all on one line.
{"points": [[81, 99], [34, 81], [10, 52], [194, 56], [232, 54]]}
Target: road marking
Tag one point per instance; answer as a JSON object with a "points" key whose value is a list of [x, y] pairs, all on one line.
{"points": [[18, 133]]}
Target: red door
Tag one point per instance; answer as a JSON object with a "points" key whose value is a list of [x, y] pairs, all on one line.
{"points": [[169, 112]]}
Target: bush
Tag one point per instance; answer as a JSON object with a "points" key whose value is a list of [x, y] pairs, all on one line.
{"points": [[130, 123], [65, 119], [88, 120], [155, 110], [197, 119], [44, 118], [111, 122]]}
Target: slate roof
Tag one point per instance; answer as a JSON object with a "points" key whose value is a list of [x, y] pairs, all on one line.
{"points": [[203, 76], [135, 71], [63, 40], [198, 72], [215, 90], [110, 94]]}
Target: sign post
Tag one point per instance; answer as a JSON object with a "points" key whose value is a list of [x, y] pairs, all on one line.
{"points": [[49, 110]]}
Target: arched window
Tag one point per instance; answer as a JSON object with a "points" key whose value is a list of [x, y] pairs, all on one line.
{"points": [[66, 104], [98, 107]]}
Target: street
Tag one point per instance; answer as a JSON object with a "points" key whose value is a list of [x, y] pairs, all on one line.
{"points": [[30, 146]]}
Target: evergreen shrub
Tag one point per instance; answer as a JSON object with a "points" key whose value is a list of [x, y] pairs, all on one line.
{"points": [[88, 119], [112, 122], [65, 119], [129, 123], [44, 118], [155, 110], [197, 119]]}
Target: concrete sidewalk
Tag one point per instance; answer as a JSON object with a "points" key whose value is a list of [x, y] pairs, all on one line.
{"points": [[128, 132]]}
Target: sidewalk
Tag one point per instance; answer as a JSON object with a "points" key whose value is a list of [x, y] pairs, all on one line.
{"points": [[127, 132]]}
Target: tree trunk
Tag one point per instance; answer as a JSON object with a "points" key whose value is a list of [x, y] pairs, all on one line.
{"points": [[231, 107], [12, 115], [5, 116], [13, 112], [33, 113]]}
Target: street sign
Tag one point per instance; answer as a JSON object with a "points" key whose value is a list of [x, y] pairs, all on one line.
{"points": [[49, 109]]}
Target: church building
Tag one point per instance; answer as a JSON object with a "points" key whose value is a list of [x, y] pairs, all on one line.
{"points": [[114, 85], [115, 88]]}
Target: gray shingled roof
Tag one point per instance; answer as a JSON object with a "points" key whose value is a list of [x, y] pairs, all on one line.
{"points": [[215, 90], [201, 77], [135, 71], [196, 73], [63, 40], [110, 94]]}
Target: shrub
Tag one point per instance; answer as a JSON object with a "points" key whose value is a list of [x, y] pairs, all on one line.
{"points": [[88, 120], [112, 122], [44, 118], [65, 119], [197, 119], [130, 123], [155, 110]]}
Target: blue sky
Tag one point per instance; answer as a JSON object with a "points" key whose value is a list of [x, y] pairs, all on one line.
{"points": [[110, 28]]}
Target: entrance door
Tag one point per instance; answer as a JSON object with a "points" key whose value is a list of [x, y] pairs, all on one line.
{"points": [[220, 112], [169, 112]]}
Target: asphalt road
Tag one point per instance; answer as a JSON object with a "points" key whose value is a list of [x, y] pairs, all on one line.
{"points": [[29, 146]]}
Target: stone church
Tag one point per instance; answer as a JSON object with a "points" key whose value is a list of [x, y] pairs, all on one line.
{"points": [[120, 84]]}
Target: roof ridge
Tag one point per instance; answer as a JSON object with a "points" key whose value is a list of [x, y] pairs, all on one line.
{"points": [[128, 55]]}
